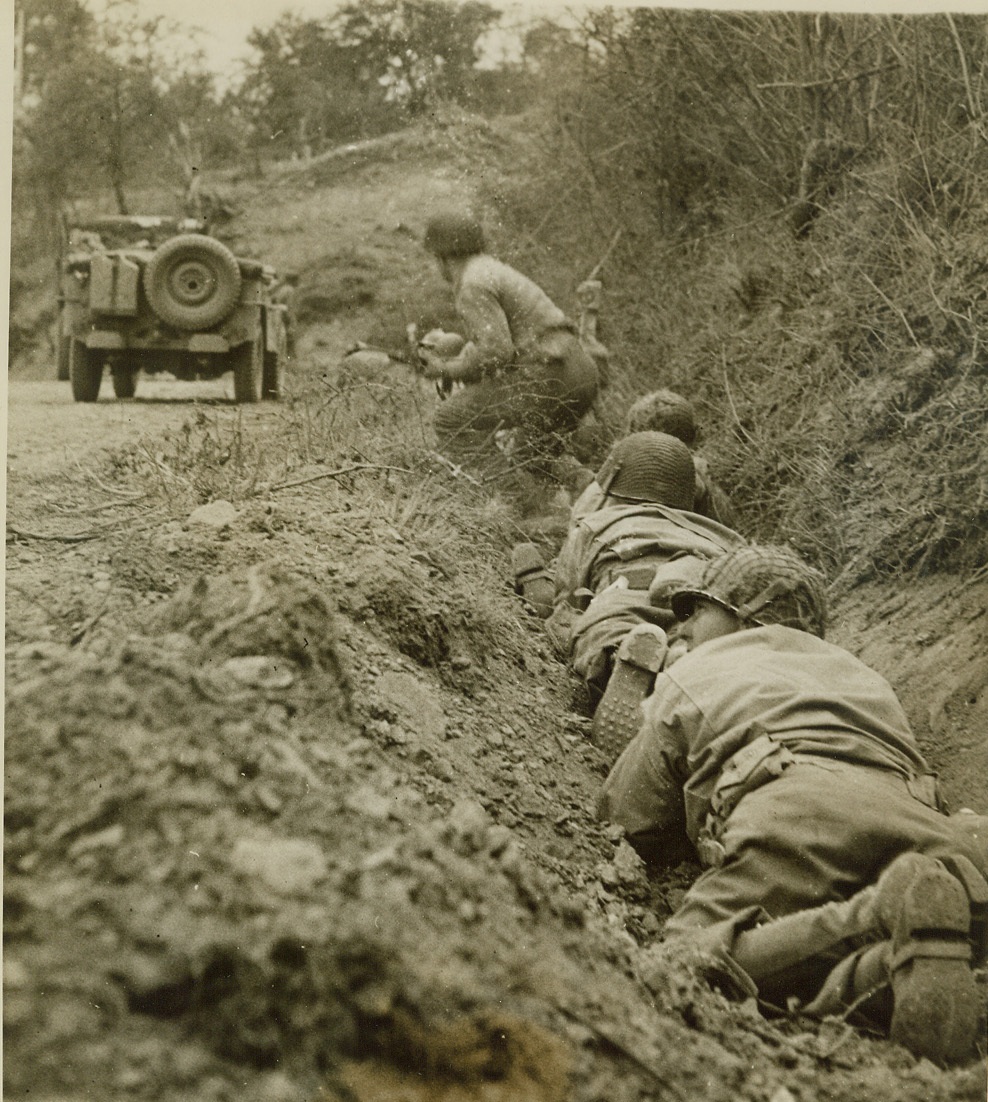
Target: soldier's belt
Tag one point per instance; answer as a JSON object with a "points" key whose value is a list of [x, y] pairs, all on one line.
{"points": [[761, 761]]}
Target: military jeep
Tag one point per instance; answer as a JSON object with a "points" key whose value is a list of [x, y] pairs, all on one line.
{"points": [[147, 293]]}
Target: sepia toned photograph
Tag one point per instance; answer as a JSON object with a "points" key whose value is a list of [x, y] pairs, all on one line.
{"points": [[496, 573]]}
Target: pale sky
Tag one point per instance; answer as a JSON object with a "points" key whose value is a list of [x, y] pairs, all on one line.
{"points": [[226, 23]]}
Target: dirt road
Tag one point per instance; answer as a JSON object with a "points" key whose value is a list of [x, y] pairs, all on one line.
{"points": [[59, 580], [48, 432]]}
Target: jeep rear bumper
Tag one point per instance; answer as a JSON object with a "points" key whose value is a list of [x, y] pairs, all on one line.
{"points": [[196, 343]]}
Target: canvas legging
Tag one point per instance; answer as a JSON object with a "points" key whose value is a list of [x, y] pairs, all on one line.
{"points": [[799, 850]]}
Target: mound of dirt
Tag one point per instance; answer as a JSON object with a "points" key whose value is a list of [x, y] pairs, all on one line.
{"points": [[263, 839]]}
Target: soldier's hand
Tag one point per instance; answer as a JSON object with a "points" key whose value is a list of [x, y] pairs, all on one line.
{"points": [[433, 365]]}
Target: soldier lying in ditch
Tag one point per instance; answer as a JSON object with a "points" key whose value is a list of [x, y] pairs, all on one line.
{"points": [[608, 611], [669, 412], [835, 883]]}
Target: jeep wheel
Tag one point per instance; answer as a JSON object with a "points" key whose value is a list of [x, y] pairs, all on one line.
{"points": [[248, 370], [274, 376], [124, 380], [85, 371], [192, 281], [63, 359]]}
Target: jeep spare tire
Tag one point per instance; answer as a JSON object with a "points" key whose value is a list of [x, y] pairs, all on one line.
{"points": [[192, 281]]}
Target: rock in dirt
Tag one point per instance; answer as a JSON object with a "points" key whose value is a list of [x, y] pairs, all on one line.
{"points": [[275, 1087], [217, 514], [160, 985], [39, 649], [109, 838], [629, 866], [264, 610], [259, 671], [364, 800], [468, 827], [413, 702], [286, 865], [626, 871]]}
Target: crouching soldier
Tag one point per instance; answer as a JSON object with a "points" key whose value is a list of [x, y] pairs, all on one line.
{"points": [[523, 365], [835, 883]]}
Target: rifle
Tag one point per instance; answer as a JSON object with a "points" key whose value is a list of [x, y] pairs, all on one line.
{"points": [[588, 295], [437, 340]]}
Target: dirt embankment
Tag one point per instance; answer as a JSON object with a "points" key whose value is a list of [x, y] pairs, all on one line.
{"points": [[299, 803]]}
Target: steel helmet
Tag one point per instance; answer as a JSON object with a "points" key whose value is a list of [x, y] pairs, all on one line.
{"points": [[454, 234], [761, 585], [650, 466], [664, 411]]}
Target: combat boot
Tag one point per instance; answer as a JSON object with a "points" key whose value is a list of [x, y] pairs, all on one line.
{"points": [[936, 1008], [636, 662], [914, 979]]}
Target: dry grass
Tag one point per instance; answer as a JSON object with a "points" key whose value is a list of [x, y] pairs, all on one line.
{"points": [[805, 359]]}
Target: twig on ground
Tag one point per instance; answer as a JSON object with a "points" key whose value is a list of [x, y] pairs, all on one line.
{"points": [[91, 476], [779, 1040], [830, 82], [81, 537], [845, 1035], [78, 537], [97, 508], [892, 305], [454, 468], [607, 252], [337, 474], [978, 576], [80, 634], [33, 599], [606, 1034]]}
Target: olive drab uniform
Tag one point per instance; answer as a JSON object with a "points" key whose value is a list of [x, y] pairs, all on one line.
{"points": [[613, 568], [527, 369], [790, 767]]}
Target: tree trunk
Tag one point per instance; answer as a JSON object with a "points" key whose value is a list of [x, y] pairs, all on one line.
{"points": [[119, 194]]}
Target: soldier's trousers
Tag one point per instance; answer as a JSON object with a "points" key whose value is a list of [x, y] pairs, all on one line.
{"points": [[806, 844]]}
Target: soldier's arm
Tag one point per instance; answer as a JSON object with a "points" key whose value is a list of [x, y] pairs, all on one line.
{"points": [[491, 346], [459, 368], [644, 790]]}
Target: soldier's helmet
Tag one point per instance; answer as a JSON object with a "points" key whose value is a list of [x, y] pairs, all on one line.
{"points": [[650, 466], [762, 585], [664, 411], [454, 234]]}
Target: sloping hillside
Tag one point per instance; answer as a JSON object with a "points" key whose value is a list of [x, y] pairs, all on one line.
{"points": [[299, 802]]}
